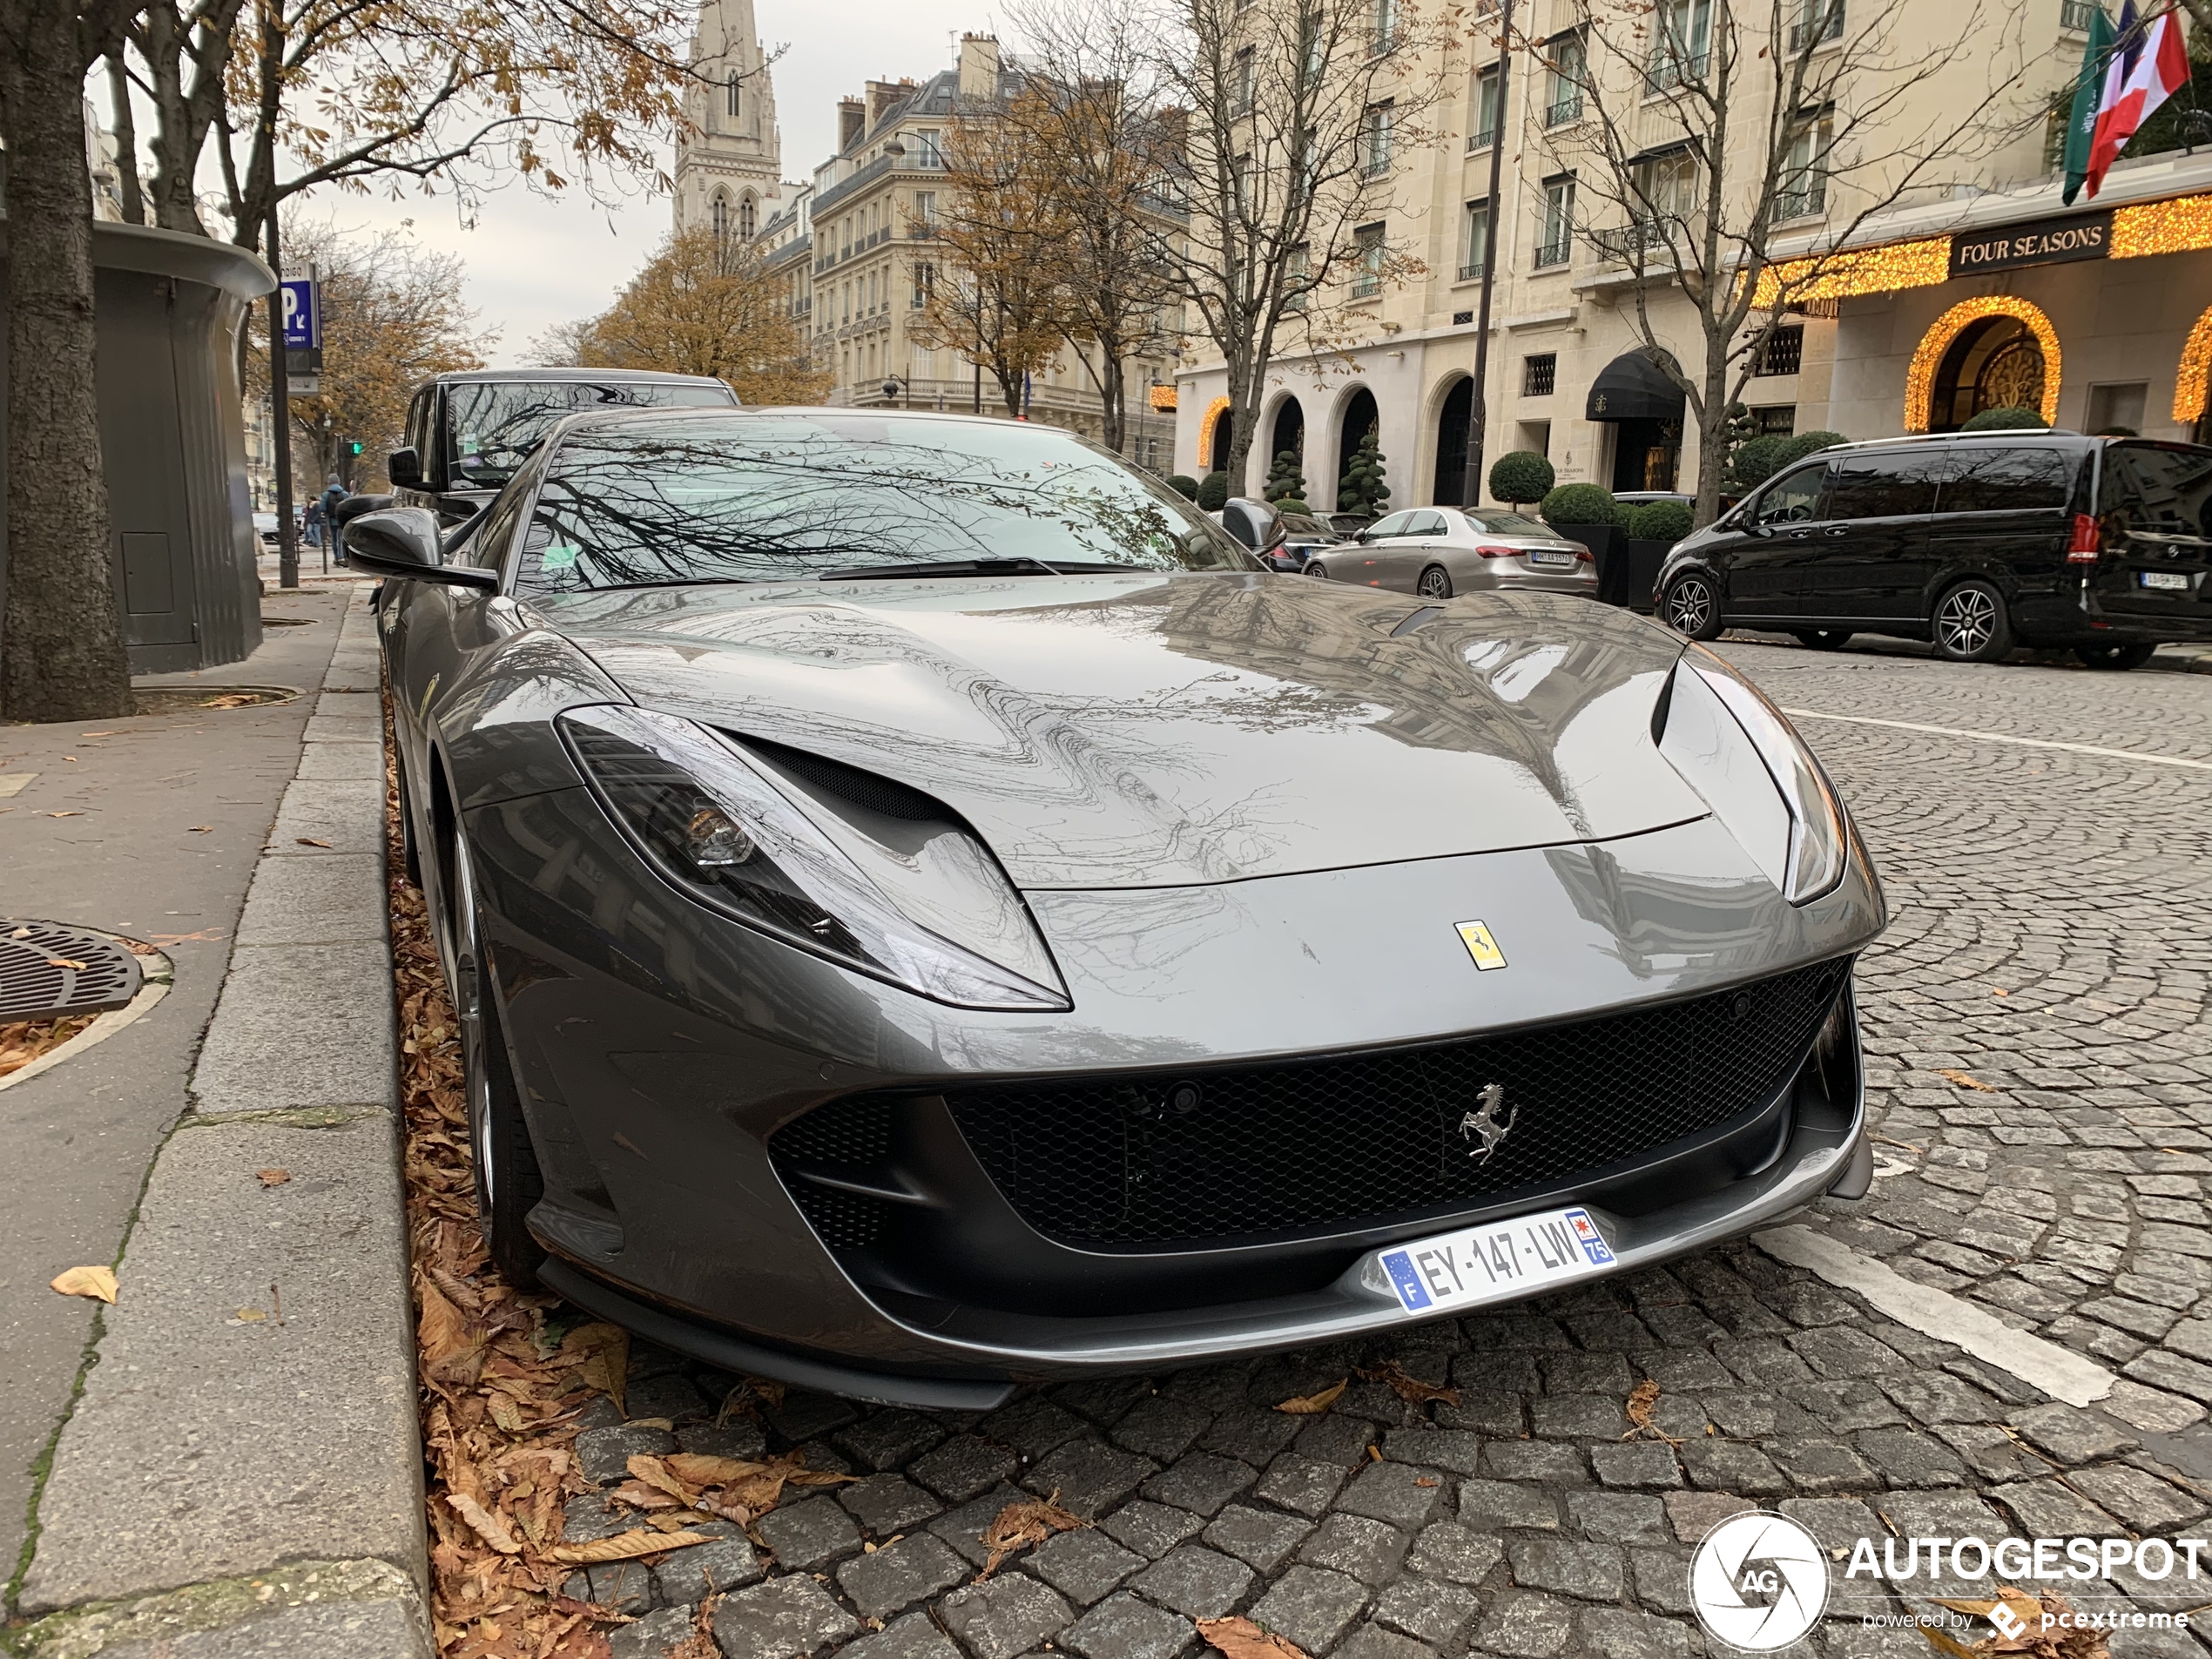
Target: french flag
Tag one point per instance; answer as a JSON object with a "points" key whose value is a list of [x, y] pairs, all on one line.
{"points": [[2151, 66]]}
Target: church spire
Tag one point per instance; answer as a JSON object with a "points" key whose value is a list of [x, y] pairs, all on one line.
{"points": [[729, 162]]}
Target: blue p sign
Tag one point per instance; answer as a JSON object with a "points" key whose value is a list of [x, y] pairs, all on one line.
{"points": [[302, 315]]}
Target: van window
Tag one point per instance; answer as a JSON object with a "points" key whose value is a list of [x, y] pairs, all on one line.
{"points": [[494, 425], [1882, 487], [2005, 481], [1794, 498], [2161, 490]]}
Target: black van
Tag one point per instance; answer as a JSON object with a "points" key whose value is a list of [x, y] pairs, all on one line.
{"points": [[468, 432], [1979, 540]]}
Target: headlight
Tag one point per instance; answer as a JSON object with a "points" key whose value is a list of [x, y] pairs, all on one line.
{"points": [[717, 826], [1772, 795]]}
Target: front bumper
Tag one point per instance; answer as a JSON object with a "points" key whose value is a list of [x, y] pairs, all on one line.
{"points": [[660, 1051]]}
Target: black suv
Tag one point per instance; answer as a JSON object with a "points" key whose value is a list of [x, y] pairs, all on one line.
{"points": [[1979, 542]]}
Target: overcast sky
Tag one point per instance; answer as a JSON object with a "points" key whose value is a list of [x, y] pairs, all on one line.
{"points": [[533, 263]]}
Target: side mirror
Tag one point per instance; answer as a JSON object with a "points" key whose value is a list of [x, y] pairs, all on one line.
{"points": [[354, 506], [404, 542], [404, 468], [1255, 524]]}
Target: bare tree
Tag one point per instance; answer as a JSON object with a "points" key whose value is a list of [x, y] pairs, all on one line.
{"points": [[1700, 131], [1288, 125]]}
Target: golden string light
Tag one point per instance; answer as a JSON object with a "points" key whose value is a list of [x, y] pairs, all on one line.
{"points": [[1869, 270], [2196, 368], [2173, 227], [1214, 410], [1919, 377], [1164, 397]]}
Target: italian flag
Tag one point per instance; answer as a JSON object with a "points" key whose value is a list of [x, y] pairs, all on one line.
{"points": [[2122, 83]]}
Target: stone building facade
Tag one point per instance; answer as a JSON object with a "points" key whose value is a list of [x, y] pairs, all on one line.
{"points": [[729, 157]]}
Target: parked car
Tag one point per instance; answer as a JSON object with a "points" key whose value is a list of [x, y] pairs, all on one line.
{"points": [[1281, 541], [468, 432], [853, 837], [1347, 525], [1979, 542], [1439, 551], [265, 528]]}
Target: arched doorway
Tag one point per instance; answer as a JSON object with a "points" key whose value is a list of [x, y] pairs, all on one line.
{"points": [[1217, 452], [1287, 436], [1454, 423], [1996, 363], [1359, 418], [2191, 379]]}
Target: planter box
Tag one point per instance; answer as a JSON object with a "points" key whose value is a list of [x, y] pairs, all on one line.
{"points": [[1604, 541], [1639, 561]]}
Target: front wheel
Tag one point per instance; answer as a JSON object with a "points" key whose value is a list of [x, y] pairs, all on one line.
{"points": [[509, 1182], [1972, 624], [1435, 584], [2118, 659], [1692, 607], [1823, 638]]}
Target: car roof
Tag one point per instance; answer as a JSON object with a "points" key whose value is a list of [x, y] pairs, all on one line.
{"points": [[592, 376], [643, 414], [2066, 435]]}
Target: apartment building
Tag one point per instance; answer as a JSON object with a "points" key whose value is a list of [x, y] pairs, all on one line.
{"points": [[858, 252], [1976, 287]]}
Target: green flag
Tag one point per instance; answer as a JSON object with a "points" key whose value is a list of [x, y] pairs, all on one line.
{"points": [[2081, 125]]}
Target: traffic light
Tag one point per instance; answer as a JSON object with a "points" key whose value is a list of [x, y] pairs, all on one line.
{"points": [[353, 447]]}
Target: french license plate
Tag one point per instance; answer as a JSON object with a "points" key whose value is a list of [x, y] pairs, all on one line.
{"points": [[1549, 555], [2164, 581], [1460, 1269]]}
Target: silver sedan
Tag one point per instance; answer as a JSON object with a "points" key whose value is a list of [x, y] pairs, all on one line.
{"points": [[1439, 551]]}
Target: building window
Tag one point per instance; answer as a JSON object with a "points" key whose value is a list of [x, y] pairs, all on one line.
{"points": [[1244, 77], [1386, 26], [748, 216], [1777, 419], [1374, 141], [732, 97], [1539, 374], [925, 284], [1475, 240], [926, 153], [1803, 188], [1482, 132], [1683, 46], [1557, 241], [718, 216], [1298, 277], [1369, 249], [925, 225], [1783, 352], [1823, 20], [1569, 65]]}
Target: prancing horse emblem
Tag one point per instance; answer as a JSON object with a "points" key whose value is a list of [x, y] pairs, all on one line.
{"points": [[1486, 1124]]}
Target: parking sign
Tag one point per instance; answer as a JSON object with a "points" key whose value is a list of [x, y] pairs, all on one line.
{"points": [[302, 315]]}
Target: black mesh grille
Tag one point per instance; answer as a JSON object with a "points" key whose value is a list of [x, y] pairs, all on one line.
{"points": [[854, 1134], [1334, 1143]]}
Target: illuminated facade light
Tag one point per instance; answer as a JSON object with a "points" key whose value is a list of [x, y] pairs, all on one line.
{"points": [[1164, 397], [2196, 366], [1871, 270], [1215, 411], [2174, 226], [1927, 357]]}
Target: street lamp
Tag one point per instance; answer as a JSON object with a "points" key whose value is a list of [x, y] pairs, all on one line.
{"points": [[893, 388]]}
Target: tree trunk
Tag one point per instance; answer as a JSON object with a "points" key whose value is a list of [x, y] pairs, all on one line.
{"points": [[1010, 389], [61, 642], [1712, 428], [1113, 425], [126, 144]]}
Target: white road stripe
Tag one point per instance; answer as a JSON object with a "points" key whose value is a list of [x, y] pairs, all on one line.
{"points": [[2058, 1371], [12, 783], [2004, 737]]}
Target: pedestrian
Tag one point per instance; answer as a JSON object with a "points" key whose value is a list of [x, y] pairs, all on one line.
{"points": [[333, 493], [311, 524]]}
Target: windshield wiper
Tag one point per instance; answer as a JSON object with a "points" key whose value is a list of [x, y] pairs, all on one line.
{"points": [[1022, 565], [672, 581]]}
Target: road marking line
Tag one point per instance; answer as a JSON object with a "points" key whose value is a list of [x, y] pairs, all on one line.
{"points": [[2058, 1371], [2004, 737], [12, 783]]}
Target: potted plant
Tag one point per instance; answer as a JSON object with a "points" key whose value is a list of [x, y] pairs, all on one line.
{"points": [[1587, 514], [1651, 529]]}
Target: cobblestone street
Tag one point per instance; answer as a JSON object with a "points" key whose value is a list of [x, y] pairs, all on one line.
{"points": [[2039, 1060]]}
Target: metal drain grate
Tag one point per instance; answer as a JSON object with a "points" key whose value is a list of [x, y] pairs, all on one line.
{"points": [[47, 971]]}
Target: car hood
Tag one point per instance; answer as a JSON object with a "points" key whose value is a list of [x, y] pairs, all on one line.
{"points": [[1165, 731]]}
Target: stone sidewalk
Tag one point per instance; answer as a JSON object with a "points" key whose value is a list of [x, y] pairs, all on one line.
{"points": [[241, 1474]]}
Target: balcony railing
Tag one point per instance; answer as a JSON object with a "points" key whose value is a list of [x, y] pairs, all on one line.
{"points": [[1670, 69], [1563, 108], [1469, 272], [1623, 243], [1799, 204], [1828, 25], [1365, 286], [1554, 251], [1483, 137], [2076, 15]]}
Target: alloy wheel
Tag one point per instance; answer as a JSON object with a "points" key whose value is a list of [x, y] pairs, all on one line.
{"points": [[1434, 584], [1967, 622], [1689, 606]]}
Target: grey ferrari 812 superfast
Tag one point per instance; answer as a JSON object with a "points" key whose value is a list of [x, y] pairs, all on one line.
{"points": [[928, 911]]}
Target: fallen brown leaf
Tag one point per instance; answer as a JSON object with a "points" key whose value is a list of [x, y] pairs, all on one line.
{"points": [[199, 829], [1314, 1405], [698, 1469], [624, 1546], [1966, 1082], [1242, 1639], [601, 1352], [63, 961], [95, 1283], [1406, 1387], [309, 840], [249, 1316], [1644, 1402], [487, 1526], [273, 1177], [2059, 1642], [1020, 1525]]}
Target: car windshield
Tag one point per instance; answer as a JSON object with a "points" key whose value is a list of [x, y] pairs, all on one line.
{"points": [[771, 497], [495, 424], [2163, 489], [1510, 524], [1299, 524]]}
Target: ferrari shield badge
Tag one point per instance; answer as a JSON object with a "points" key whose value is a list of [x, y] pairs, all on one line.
{"points": [[1475, 936]]}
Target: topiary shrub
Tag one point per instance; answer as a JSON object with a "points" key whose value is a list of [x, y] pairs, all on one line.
{"points": [[1524, 476], [2004, 420], [1183, 485], [1292, 504], [1283, 478], [1805, 443], [1213, 492], [1581, 504], [1365, 486], [1659, 521], [1756, 461]]}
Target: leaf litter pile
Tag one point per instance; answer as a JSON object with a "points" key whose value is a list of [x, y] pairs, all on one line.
{"points": [[505, 1376]]}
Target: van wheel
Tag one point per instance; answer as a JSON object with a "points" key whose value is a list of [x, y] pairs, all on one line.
{"points": [[1823, 638], [1972, 626], [2117, 658], [1435, 584], [1692, 607]]}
